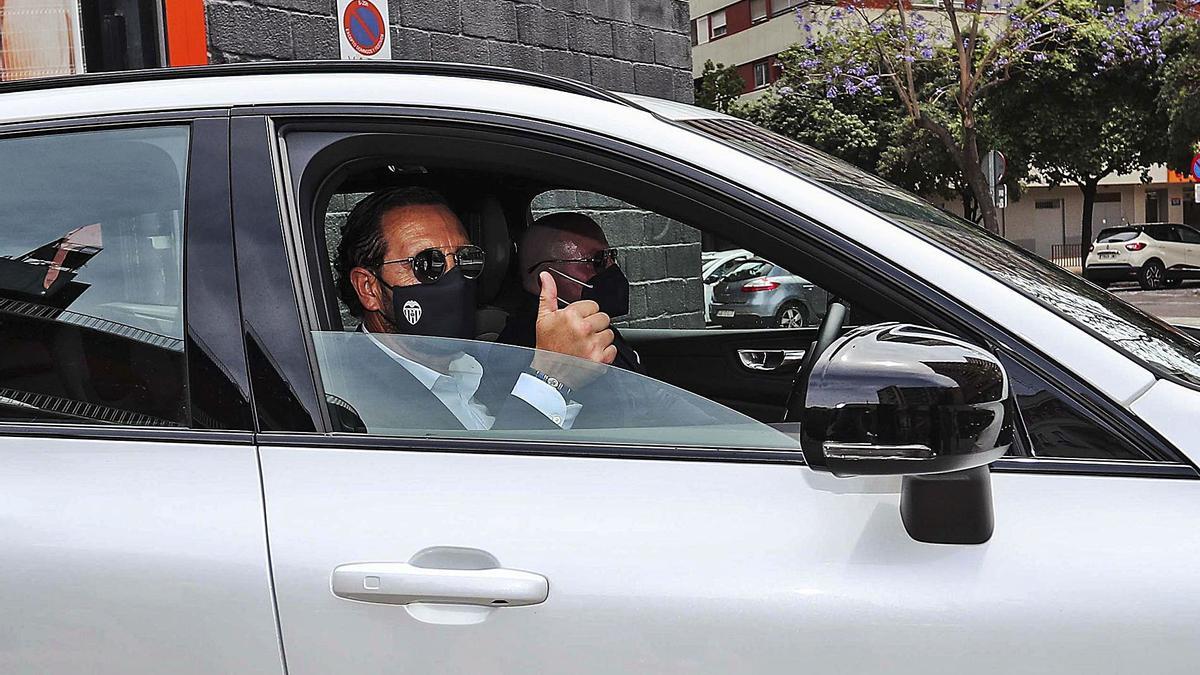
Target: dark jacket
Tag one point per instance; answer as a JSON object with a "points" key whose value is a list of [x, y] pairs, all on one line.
{"points": [[368, 391]]}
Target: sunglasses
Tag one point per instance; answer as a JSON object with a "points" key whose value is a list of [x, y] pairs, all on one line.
{"points": [[429, 265], [599, 260]]}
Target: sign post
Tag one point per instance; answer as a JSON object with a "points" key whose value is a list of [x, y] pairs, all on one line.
{"points": [[994, 166], [363, 30]]}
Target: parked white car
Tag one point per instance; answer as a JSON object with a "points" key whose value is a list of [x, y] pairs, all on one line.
{"points": [[714, 266], [1156, 255], [207, 469]]}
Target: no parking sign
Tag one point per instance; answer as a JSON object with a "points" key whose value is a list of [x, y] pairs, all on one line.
{"points": [[363, 29]]}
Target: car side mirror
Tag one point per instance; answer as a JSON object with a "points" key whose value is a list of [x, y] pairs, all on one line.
{"points": [[905, 400]]}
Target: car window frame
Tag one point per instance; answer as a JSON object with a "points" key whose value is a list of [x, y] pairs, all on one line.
{"points": [[213, 355], [773, 218]]}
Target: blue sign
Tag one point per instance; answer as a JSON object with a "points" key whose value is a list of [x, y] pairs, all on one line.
{"points": [[1196, 167]]}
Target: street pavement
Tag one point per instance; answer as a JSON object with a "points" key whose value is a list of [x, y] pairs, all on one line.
{"points": [[1175, 305]]}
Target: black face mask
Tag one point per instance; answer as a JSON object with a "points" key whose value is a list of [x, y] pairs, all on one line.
{"points": [[608, 288], [445, 308]]}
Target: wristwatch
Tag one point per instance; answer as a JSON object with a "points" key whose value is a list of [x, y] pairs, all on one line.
{"points": [[552, 381]]}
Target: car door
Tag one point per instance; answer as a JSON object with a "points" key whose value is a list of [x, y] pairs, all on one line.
{"points": [[668, 547], [1190, 238], [132, 517]]}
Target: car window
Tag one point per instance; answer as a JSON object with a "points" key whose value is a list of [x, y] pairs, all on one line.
{"points": [[1058, 427], [91, 288], [1161, 347], [1189, 236], [749, 270], [1116, 234], [663, 260], [1163, 232], [721, 270], [403, 385]]}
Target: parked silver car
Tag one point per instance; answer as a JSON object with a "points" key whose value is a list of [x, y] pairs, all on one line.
{"points": [[761, 294]]}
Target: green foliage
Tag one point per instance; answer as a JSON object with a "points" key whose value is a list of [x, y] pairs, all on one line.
{"points": [[1076, 118], [719, 87], [868, 127], [1179, 98]]}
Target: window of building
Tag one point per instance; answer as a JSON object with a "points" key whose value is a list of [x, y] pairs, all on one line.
{"points": [[780, 6], [91, 286], [718, 23], [123, 35], [762, 74], [758, 10], [702, 29]]}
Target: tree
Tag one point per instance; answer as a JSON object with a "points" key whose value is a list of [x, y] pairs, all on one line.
{"points": [[868, 128], [1179, 97], [1077, 113], [719, 87], [939, 62]]}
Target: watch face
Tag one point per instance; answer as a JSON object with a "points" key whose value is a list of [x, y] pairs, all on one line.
{"points": [[552, 381]]}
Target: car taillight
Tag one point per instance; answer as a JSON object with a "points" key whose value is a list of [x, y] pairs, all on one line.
{"points": [[763, 284], [1136, 246]]}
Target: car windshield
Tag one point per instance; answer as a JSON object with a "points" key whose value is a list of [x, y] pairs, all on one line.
{"points": [[1115, 234], [1163, 348]]}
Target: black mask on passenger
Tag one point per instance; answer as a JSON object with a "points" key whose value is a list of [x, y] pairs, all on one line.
{"points": [[608, 288], [444, 308]]}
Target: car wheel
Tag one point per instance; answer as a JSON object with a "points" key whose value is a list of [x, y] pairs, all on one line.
{"points": [[1152, 275], [791, 315]]}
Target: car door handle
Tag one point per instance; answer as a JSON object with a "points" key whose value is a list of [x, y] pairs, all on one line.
{"points": [[770, 360], [403, 584]]}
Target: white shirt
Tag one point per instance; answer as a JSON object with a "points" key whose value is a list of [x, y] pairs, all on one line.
{"points": [[456, 390]]}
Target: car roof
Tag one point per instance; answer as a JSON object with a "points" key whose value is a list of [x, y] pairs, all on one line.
{"points": [[473, 71], [281, 83]]}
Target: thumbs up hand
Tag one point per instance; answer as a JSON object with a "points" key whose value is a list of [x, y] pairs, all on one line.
{"points": [[580, 329]]}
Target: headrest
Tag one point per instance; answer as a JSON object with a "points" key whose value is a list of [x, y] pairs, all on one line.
{"points": [[488, 228]]}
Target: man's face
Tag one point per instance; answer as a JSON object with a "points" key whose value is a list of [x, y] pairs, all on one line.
{"points": [[406, 231], [574, 246]]}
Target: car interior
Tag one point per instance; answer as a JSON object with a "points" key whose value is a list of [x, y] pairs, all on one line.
{"points": [[496, 208]]}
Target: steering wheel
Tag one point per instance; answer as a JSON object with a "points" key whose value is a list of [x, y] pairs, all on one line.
{"points": [[827, 332]]}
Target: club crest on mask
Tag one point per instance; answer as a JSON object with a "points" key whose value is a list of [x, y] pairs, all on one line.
{"points": [[412, 312]]}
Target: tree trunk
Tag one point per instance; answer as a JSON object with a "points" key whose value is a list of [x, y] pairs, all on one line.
{"points": [[1088, 187], [973, 174], [966, 155], [970, 206]]}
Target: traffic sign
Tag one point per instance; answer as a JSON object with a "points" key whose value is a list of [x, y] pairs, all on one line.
{"points": [[364, 31], [1196, 168], [994, 166]]}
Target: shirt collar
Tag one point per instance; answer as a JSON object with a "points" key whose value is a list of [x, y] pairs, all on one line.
{"points": [[465, 368]]}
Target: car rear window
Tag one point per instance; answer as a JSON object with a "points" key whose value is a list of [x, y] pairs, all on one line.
{"points": [[750, 270], [1115, 234]]}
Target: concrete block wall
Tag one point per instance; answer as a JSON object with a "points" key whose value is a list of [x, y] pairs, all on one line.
{"points": [[660, 256], [637, 46]]}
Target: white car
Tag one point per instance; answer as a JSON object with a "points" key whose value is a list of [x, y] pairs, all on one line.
{"points": [[207, 469], [714, 265], [1156, 255]]}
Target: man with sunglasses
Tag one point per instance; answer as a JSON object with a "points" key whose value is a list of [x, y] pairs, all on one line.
{"points": [[405, 265], [572, 250]]}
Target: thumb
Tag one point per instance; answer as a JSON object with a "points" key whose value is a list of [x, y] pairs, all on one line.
{"points": [[548, 299]]}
